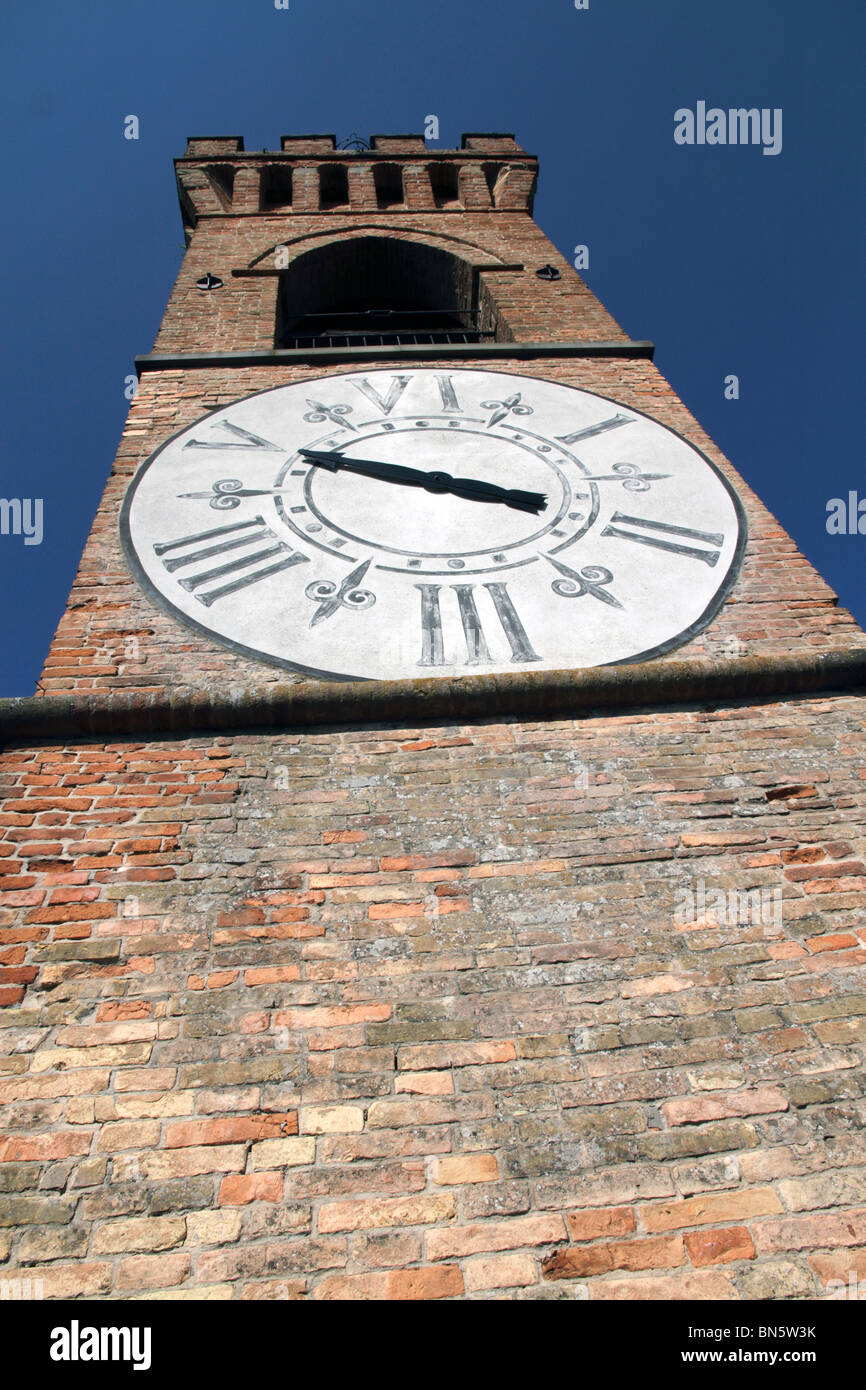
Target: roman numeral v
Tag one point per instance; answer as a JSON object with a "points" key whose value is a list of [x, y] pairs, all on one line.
{"points": [[243, 439]]}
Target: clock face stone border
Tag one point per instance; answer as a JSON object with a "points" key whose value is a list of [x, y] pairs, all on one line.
{"points": [[350, 571]]}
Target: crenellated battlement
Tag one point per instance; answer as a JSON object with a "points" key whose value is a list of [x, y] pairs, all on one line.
{"points": [[490, 172]]}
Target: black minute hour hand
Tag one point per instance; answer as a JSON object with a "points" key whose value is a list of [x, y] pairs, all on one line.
{"points": [[471, 488]]}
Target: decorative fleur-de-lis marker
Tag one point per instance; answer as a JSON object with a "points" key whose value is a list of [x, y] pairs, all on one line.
{"points": [[588, 581], [330, 598], [225, 495], [335, 413], [630, 475], [511, 405]]}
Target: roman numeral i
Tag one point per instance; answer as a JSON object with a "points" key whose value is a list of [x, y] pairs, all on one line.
{"points": [[613, 423], [237, 537], [477, 651]]}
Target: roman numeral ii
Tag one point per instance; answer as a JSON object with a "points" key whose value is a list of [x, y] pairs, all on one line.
{"points": [[654, 533]]}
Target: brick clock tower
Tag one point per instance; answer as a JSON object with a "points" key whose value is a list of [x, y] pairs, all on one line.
{"points": [[434, 866]]}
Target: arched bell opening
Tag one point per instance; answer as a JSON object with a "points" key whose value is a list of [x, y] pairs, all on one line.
{"points": [[376, 291]]}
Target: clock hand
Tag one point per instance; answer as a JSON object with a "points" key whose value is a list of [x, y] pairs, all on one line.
{"points": [[478, 491], [471, 488], [388, 472]]}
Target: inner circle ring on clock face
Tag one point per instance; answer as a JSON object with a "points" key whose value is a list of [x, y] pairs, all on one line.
{"points": [[438, 423]]}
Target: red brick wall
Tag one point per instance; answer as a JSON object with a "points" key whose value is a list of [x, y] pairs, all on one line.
{"points": [[410, 1014]]}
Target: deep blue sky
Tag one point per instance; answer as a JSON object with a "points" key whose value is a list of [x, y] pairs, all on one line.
{"points": [[731, 261]]}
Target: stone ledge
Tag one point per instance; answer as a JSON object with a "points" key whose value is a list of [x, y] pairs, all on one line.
{"points": [[264, 357], [529, 695]]}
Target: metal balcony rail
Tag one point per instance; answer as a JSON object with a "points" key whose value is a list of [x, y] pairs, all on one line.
{"points": [[384, 327]]}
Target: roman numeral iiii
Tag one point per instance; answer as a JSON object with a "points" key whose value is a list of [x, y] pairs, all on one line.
{"points": [[243, 534]]}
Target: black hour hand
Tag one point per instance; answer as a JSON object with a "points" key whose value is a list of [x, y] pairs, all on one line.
{"points": [[478, 491], [471, 488], [369, 468]]}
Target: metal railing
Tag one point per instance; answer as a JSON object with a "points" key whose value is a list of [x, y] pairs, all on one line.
{"points": [[386, 327]]}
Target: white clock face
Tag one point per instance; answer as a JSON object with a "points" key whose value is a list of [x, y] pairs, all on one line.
{"points": [[561, 529]]}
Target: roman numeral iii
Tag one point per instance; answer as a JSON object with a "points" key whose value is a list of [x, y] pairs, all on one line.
{"points": [[477, 651]]}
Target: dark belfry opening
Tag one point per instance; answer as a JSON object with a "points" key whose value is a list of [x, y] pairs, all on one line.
{"points": [[375, 291], [444, 182], [492, 173], [388, 179], [333, 186], [223, 176], [276, 186]]}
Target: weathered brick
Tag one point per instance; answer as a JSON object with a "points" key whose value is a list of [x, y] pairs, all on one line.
{"points": [[500, 1272], [711, 1208], [183, 1163], [144, 1233], [844, 1271], [281, 1290], [152, 1271], [82, 1279], [775, 1279], [580, 1261], [65, 1058], [386, 1211], [128, 1134], [282, 1153], [425, 1083], [396, 1285], [271, 974], [820, 1230], [336, 1016], [596, 1225], [824, 1190], [385, 1114], [231, 1131], [331, 1119], [144, 1079], [213, 1227], [241, 1188], [455, 1054], [41, 1243], [469, 1168], [762, 1100], [495, 1235], [719, 1246], [688, 1286], [43, 1146]]}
